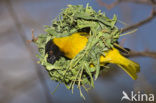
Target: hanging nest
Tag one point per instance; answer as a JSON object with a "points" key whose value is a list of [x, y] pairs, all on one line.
{"points": [[77, 71]]}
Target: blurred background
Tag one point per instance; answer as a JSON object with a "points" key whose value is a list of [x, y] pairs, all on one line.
{"points": [[22, 80]]}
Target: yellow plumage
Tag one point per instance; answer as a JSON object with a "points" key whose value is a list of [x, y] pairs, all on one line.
{"points": [[113, 56], [73, 44]]}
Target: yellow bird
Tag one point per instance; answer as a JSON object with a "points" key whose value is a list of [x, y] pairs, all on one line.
{"points": [[70, 46]]}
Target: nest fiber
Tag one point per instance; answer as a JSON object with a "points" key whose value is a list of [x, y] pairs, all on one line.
{"points": [[102, 35]]}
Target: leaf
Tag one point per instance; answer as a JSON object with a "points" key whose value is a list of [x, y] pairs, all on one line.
{"points": [[114, 20], [89, 73]]}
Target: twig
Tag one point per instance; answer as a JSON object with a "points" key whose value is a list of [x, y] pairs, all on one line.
{"points": [[108, 6], [148, 19], [143, 54], [32, 55], [34, 39], [112, 5], [146, 2]]}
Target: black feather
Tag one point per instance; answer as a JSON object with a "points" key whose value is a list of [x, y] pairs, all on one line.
{"points": [[53, 51]]}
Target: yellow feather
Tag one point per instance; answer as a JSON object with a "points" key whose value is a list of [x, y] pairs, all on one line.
{"points": [[73, 44], [113, 56]]}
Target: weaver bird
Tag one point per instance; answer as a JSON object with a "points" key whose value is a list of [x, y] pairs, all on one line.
{"points": [[71, 45]]}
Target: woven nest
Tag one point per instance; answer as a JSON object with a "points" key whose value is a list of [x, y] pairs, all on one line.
{"points": [[103, 34]]}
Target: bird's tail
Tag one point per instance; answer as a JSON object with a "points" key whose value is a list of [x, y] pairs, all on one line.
{"points": [[114, 56]]}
